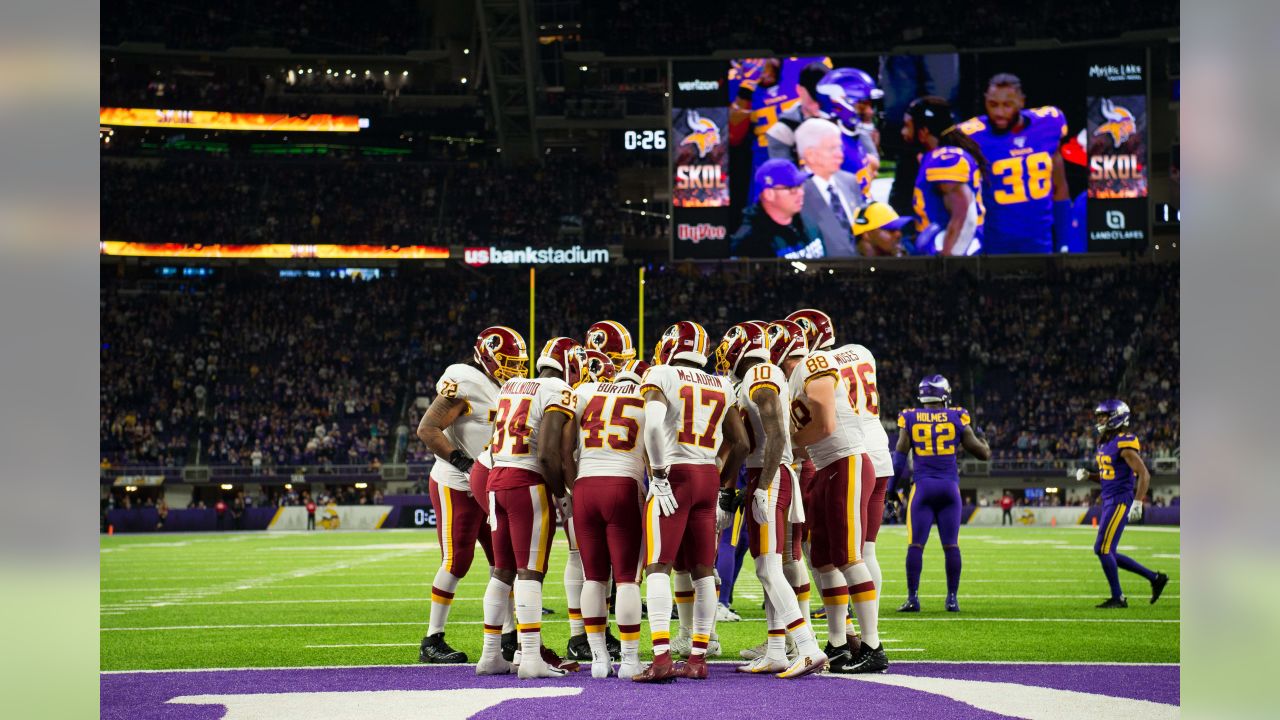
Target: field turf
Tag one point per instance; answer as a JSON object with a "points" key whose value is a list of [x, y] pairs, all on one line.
{"points": [[357, 598]]}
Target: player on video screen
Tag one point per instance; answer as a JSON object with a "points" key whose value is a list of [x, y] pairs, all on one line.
{"points": [[1028, 205], [948, 189]]}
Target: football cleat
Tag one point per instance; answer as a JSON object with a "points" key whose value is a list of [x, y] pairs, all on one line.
{"points": [[682, 644], [819, 614], [804, 665], [495, 665], [510, 643], [839, 660], [538, 668], [548, 611], [628, 671], [601, 669], [661, 670], [724, 613], [854, 642], [435, 650], [713, 645], [953, 605], [911, 605], [1157, 586], [870, 661], [579, 648], [1111, 603], [695, 668], [754, 652], [550, 657], [613, 644], [763, 664]]}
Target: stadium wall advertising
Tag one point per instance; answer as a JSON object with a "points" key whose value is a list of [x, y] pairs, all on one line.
{"points": [[215, 120], [1077, 178]]}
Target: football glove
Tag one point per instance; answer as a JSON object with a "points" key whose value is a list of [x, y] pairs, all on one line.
{"points": [[660, 492], [724, 509], [565, 503], [1082, 474], [1135, 512], [762, 508], [459, 459]]}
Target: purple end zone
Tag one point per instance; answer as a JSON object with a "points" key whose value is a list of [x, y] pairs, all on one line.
{"points": [[137, 696]]}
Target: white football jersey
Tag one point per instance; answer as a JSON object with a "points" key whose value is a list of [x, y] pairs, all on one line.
{"points": [[610, 430], [470, 431], [696, 404], [523, 403], [846, 440], [858, 368], [763, 375]]}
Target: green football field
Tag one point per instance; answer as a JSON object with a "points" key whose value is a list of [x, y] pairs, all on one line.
{"points": [[357, 598]]}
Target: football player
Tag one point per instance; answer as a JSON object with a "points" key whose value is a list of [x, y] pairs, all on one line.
{"points": [[846, 96], [931, 433], [1119, 469], [948, 188], [689, 414], [532, 454], [607, 498], [1026, 194], [829, 429], [771, 487], [456, 427]]}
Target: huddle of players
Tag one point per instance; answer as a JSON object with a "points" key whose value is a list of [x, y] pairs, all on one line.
{"points": [[586, 432]]}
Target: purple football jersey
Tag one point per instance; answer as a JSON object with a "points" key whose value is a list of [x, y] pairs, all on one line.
{"points": [[935, 441], [1116, 475]]}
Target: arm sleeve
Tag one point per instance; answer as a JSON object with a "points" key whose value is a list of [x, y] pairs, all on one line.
{"points": [[655, 441]]}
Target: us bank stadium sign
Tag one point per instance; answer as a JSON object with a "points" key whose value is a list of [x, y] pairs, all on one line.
{"points": [[529, 255]]}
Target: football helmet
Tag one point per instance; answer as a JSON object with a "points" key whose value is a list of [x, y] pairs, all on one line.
{"points": [[597, 367], [564, 355], [840, 89], [934, 389], [819, 333], [685, 340], [1111, 414], [501, 353], [742, 341], [784, 338], [631, 371], [612, 339]]}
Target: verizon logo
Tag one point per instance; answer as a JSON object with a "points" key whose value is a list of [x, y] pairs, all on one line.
{"points": [[690, 85]]}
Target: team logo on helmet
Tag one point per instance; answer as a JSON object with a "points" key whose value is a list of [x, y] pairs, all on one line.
{"points": [[500, 351], [597, 367], [819, 333], [785, 338], [1120, 123], [612, 339], [1111, 414], [742, 341]]}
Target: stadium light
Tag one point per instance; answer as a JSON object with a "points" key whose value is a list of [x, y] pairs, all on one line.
{"points": [[130, 488], [464, 81], [583, 68], [873, 268], [226, 486], [799, 266], [466, 51], [288, 486], [361, 486], [386, 73], [404, 74], [830, 271]]}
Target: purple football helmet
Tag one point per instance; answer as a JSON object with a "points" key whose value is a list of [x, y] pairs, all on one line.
{"points": [[934, 389], [840, 89], [1111, 414]]}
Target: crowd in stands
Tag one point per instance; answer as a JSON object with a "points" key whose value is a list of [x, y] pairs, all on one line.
{"points": [[666, 27], [247, 368], [366, 201]]}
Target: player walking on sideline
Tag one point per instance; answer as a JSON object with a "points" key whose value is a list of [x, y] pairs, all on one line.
{"points": [[607, 497], [456, 427], [1120, 463], [688, 414], [830, 431], [930, 433], [532, 452], [774, 496]]}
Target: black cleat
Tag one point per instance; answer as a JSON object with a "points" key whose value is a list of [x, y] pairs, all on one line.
{"points": [[510, 642], [548, 611], [953, 605], [1157, 586], [435, 650], [613, 644], [911, 605], [579, 648], [870, 661], [839, 660], [1111, 603]]}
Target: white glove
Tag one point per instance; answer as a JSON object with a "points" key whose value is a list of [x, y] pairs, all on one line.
{"points": [[1135, 512], [493, 517], [660, 493], [761, 508], [566, 506], [1081, 474], [723, 519]]}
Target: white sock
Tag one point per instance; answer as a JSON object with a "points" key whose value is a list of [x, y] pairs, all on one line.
{"points": [[442, 588], [798, 578], [835, 599], [509, 620], [595, 615], [627, 609], [704, 613], [862, 591], [775, 647], [869, 557], [495, 612], [529, 617], [682, 584], [573, 580], [783, 600], [658, 592]]}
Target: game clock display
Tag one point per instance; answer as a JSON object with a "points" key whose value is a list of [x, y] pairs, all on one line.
{"points": [[644, 139]]}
